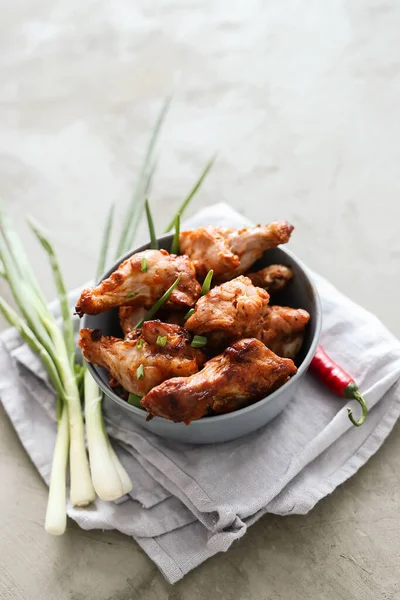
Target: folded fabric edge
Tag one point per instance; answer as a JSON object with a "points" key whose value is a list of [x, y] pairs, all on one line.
{"points": [[368, 448], [167, 565]]}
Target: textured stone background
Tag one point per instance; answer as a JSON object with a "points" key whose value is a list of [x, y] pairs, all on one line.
{"points": [[301, 101]]}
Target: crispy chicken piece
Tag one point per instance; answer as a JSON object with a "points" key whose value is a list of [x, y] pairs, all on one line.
{"points": [[229, 311], [231, 252], [283, 330], [246, 372], [272, 278], [122, 358], [114, 383], [176, 339], [129, 285], [237, 309], [176, 317], [129, 316]]}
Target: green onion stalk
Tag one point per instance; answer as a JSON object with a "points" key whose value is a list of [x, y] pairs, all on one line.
{"points": [[40, 330], [175, 239], [56, 519], [82, 492], [110, 480], [152, 232], [56, 515]]}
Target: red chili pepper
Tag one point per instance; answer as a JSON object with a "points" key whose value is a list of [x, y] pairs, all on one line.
{"points": [[338, 381]]}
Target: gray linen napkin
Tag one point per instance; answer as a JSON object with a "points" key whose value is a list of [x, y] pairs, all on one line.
{"points": [[185, 506]]}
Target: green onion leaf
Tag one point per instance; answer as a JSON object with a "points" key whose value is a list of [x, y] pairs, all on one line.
{"points": [[21, 286], [161, 340], [134, 399], [152, 232], [130, 294], [31, 339], [140, 372], [144, 265], [199, 341], [19, 255], [207, 283], [189, 314], [175, 241], [192, 192], [139, 344], [135, 209], [101, 263], [160, 302], [61, 289]]}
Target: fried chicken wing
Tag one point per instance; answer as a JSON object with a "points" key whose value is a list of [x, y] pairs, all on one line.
{"points": [[129, 316], [237, 309], [229, 311], [231, 252], [283, 330], [175, 339], [133, 285], [209, 248], [247, 371], [140, 366], [272, 278]]}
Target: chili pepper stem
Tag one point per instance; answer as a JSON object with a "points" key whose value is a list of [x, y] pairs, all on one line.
{"points": [[353, 392]]}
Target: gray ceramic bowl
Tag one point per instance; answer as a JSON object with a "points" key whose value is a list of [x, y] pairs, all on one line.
{"points": [[301, 293]]}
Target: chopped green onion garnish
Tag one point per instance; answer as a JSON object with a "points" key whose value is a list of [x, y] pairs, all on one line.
{"points": [[152, 231], [130, 294], [189, 314], [144, 265], [207, 283], [199, 341], [139, 344], [192, 192], [140, 372], [175, 241], [161, 340], [150, 313], [134, 399]]}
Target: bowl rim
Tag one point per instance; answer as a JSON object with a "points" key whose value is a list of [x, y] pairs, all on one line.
{"points": [[199, 423]]}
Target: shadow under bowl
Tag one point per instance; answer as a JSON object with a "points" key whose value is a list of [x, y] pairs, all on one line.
{"points": [[300, 293]]}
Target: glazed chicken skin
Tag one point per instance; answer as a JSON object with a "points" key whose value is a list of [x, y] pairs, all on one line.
{"points": [[231, 252], [273, 278], [283, 330], [140, 281], [229, 311], [245, 372], [156, 363]]}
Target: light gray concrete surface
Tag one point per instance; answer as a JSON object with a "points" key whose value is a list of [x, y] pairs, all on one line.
{"points": [[301, 99]]}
